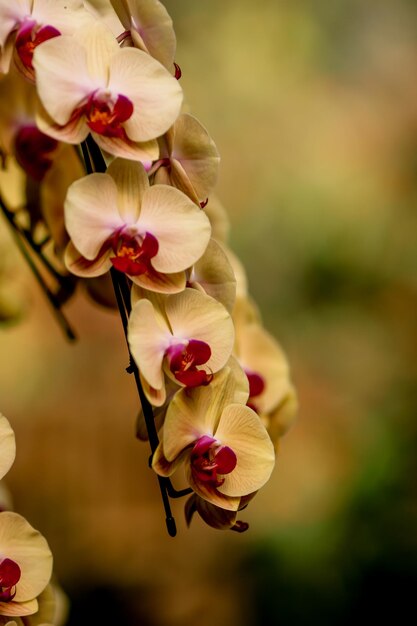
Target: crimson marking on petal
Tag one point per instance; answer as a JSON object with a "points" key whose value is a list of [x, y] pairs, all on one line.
{"points": [[200, 350], [203, 444], [193, 378], [32, 151], [183, 361], [178, 72], [106, 118], [133, 256], [9, 577], [204, 203], [209, 458], [29, 36]]}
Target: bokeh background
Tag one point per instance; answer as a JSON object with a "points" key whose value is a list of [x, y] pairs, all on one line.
{"points": [[313, 106]]}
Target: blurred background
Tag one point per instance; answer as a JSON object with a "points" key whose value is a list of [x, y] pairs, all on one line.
{"points": [[313, 106]]}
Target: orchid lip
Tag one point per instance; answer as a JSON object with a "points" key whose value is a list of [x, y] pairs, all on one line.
{"points": [[9, 577], [183, 359], [106, 113], [209, 458]]}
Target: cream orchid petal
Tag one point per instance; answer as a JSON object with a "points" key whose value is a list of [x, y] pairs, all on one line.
{"points": [[18, 609], [156, 397], [155, 94], [161, 283], [149, 20], [62, 77], [91, 213], [282, 418], [161, 465], [181, 228], [80, 266], [102, 9], [100, 45], [241, 429], [7, 446], [148, 339], [259, 352], [123, 147], [65, 16], [187, 419], [73, 132], [11, 13], [197, 153], [24, 545], [215, 275], [215, 496], [176, 176], [131, 182], [194, 315]]}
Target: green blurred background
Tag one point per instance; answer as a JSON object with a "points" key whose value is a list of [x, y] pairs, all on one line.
{"points": [[313, 106]]}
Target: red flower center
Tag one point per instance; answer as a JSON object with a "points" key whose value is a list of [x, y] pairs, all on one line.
{"points": [[134, 254], [105, 115], [9, 577], [184, 359], [210, 458], [30, 35]]}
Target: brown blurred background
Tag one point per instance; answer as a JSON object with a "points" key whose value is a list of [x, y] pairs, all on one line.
{"points": [[313, 106]]}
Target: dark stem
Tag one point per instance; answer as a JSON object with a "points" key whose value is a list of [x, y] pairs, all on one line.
{"points": [[95, 160]]}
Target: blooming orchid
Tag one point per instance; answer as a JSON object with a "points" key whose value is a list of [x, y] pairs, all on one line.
{"points": [[86, 83], [224, 447], [152, 234], [189, 336]]}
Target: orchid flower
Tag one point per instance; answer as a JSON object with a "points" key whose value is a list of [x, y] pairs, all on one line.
{"points": [[25, 24], [25, 565], [189, 337], [188, 159], [224, 447], [152, 234], [86, 83]]}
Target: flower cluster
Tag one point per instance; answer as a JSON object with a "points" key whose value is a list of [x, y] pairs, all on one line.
{"points": [[101, 75], [27, 596]]}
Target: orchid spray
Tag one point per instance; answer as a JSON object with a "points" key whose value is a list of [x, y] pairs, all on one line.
{"points": [[117, 192]]}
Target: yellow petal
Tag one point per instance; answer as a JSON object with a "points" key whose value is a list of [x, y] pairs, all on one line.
{"points": [[214, 274], [17, 609], [24, 545], [241, 429], [131, 181]]}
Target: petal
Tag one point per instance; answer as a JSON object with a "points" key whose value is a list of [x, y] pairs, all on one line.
{"points": [[214, 274], [241, 429], [91, 213], [100, 45], [211, 494], [23, 544], [131, 181], [7, 446], [62, 78], [194, 315], [181, 228], [148, 338], [16, 609], [197, 153], [80, 266], [150, 20], [156, 397], [73, 132], [219, 220], [127, 149], [156, 95], [161, 465], [176, 176], [161, 283], [283, 416]]}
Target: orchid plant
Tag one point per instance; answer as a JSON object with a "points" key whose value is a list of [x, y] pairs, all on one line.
{"points": [[120, 180]]}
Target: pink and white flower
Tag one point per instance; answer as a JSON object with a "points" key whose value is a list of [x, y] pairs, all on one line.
{"points": [[224, 447], [152, 234], [86, 83], [189, 336]]}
